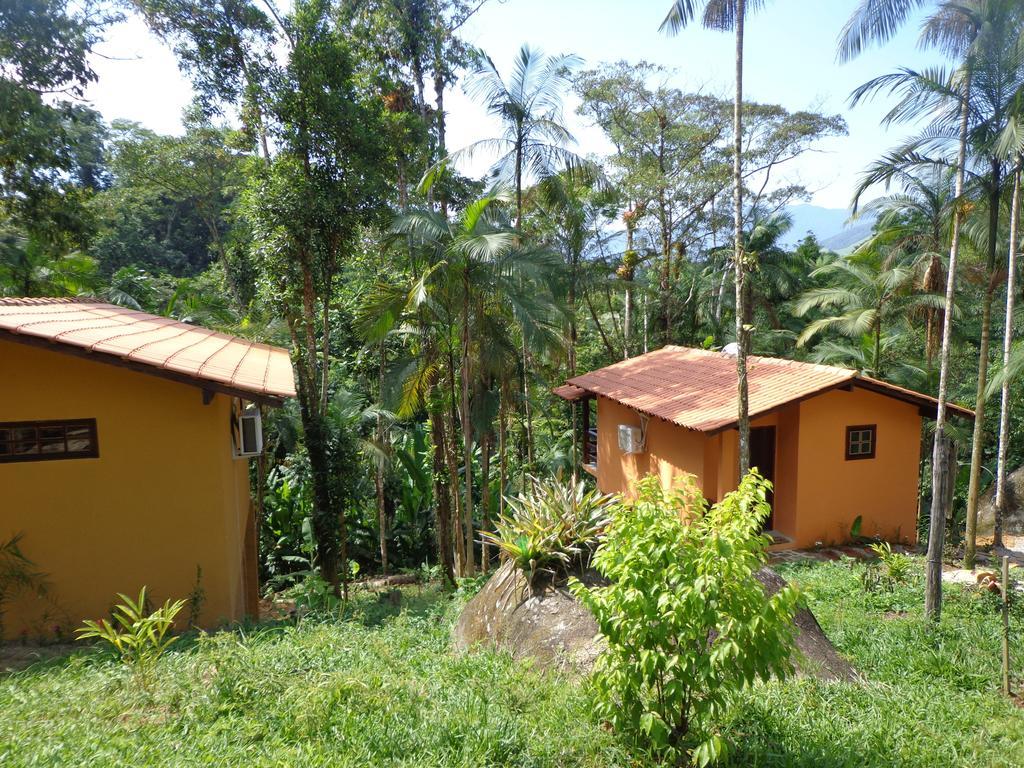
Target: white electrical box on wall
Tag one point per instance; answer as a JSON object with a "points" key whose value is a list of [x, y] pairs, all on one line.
{"points": [[249, 433], [631, 439]]}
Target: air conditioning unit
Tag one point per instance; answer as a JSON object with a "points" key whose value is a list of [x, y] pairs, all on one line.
{"points": [[631, 439], [249, 438]]}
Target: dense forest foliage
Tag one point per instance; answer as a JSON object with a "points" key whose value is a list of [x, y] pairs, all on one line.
{"points": [[312, 200]]}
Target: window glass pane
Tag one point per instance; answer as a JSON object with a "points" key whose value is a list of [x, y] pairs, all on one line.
{"points": [[35, 441], [51, 432], [79, 445]]}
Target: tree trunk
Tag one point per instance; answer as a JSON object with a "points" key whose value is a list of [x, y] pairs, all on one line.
{"points": [[467, 435], [442, 497], [940, 452], [453, 472], [485, 495], [1004, 408], [382, 512], [742, 339], [442, 150], [527, 414], [945, 458], [981, 397], [627, 278], [502, 451]]}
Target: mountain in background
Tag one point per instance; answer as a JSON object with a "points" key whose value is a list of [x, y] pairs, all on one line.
{"points": [[831, 226]]}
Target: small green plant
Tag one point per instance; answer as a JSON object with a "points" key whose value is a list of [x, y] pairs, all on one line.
{"points": [[891, 570], [551, 527], [687, 624], [312, 594], [139, 638], [18, 574]]}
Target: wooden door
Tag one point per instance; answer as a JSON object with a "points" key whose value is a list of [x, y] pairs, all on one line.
{"points": [[762, 457]]}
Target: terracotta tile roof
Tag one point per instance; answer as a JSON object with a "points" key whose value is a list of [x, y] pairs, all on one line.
{"points": [[569, 392], [140, 340], [696, 388]]}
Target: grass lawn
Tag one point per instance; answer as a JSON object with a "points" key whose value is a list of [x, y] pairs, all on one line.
{"points": [[382, 688]]}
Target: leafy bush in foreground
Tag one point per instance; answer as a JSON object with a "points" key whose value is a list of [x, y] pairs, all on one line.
{"points": [[688, 625]]}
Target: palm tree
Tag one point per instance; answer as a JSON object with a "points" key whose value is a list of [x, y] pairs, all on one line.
{"points": [[952, 28], [998, 72], [862, 297], [1004, 406], [533, 144], [915, 221], [480, 281], [860, 355], [729, 15]]}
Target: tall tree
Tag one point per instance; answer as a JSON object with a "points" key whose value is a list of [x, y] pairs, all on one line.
{"points": [[475, 268], [997, 66], [1001, 500], [728, 15], [950, 28], [320, 132], [534, 142], [914, 221], [862, 296]]}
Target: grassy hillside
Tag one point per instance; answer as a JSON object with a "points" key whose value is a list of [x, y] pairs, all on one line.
{"points": [[382, 688]]}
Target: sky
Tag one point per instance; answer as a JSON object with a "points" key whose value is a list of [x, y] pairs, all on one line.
{"points": [[789, 60]]}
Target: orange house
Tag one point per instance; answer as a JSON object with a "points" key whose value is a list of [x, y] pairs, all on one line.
{"points": [[125, 441], [836, 445]]}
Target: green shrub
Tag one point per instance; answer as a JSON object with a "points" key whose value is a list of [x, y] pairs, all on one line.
{"points": [[891, 570], [688, 625], [140, 639], [551, 527]]}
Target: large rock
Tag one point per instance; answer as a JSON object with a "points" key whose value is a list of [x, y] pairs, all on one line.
{"points": [[546, 623], [1014, 522]]}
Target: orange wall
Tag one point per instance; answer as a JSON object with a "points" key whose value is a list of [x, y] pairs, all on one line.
{"points": [[670, 450], [818, 493], [787, 427], [834, 491], [164, 496]]}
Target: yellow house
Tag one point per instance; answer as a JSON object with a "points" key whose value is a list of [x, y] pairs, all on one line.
{"points": [[124, 446], [836, 445]]}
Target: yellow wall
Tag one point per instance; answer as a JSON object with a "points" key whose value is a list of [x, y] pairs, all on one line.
{"points": [[834, 491], [818, 493], [164, 496]]}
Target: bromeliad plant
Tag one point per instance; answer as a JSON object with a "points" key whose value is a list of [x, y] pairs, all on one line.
{"points": [[551, 527], [138, 638], [687, 623]]}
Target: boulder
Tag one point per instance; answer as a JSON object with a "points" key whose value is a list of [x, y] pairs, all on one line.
{"points": [[547, 624], [1014, 522]]}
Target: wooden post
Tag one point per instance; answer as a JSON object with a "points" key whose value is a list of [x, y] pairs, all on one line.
{"points": [[586, 430], [937, 528], [1006, 625]]}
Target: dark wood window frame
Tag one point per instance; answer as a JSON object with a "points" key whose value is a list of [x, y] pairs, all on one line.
{"points": [[52, 434], [872, 430]]}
